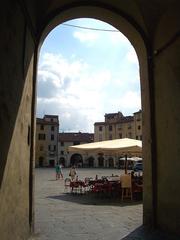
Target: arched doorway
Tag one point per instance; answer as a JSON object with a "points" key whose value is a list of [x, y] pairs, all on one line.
{"points": [[100, 161], [76, 160], [90, 162], [111, 162], [128, 29], [137, 36]]}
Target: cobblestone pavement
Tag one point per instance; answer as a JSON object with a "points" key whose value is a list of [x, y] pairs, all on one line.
{"points": [[59, 215]]}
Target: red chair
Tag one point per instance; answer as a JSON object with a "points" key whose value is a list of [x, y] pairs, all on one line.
{"points": [[74, 186], [97, 188]]}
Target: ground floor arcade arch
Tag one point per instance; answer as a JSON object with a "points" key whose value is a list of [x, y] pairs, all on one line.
{"points": [[90, 161], [76, 160]]}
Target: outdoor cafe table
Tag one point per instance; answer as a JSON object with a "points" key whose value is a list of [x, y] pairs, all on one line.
{"points": [[104, 186], [113, 185], [77, 186]]}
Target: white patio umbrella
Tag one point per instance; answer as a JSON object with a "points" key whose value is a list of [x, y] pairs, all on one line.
{"points": [[124, 146]]}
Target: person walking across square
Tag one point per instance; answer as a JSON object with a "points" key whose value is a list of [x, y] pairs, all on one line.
{"points": [[57, 168], [72, 173]]}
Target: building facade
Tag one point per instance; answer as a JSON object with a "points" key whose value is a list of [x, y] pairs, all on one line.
{"points": [[68, 139], [116, 126], [47, 129]]}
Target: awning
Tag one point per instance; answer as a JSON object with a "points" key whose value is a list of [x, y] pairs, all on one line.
{"points": [[122, 146]]}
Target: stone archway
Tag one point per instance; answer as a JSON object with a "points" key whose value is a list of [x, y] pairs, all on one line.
{"points": [[159, 71], [111, 162], [136, 34], [100, 161], [76, 160], [138, 39], [90, 161]]}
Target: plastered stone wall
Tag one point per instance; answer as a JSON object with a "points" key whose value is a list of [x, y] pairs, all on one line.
{"points": [[16, 47], [167, 112]]}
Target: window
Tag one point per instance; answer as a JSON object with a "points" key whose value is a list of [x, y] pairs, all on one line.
{"points": [[137, 137], [52, 136], [52, 147], [41, 127], [110, 128], [41, 136], [120, 135], [110, 137], [100, 128], [52, 119], [52, 128], [51, 154], [62, 143], [62, 152], [139, 127]]}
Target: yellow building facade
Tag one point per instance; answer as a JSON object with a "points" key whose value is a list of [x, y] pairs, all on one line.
{"points": [[47, 129], [116, 125]]}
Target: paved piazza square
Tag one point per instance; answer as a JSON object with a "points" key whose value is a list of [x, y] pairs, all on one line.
{"points": [[66, 216]]}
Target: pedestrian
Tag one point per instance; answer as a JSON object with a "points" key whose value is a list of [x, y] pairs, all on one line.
{"points": [[72, 173], [57, 168], [60, 171]]}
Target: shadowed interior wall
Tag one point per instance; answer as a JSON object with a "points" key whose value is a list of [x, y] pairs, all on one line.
{"points": [[167, 108], [16, 74]]}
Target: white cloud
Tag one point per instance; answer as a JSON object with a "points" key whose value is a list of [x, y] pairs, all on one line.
{"points": [[131, 56], [76, 91], [86, 36], [131, 100], [72, 90], [128, 102]]}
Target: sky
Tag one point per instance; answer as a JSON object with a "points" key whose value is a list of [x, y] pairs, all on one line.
{"points": [[84, 74]]}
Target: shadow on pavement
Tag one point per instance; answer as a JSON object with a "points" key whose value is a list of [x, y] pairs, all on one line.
{"points": [[94, 200], [144, 233]]}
